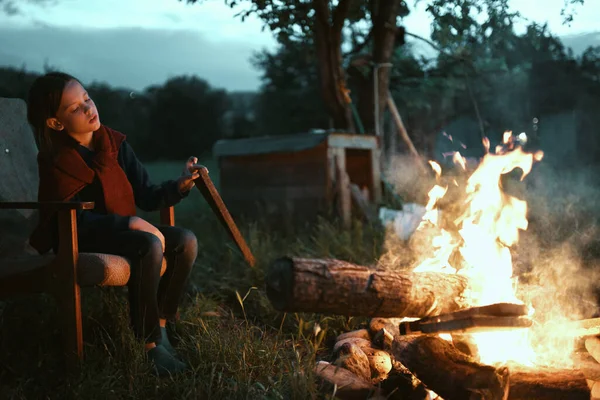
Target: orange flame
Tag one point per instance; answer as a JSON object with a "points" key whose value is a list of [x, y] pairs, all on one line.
{"points": [[488, 227]]}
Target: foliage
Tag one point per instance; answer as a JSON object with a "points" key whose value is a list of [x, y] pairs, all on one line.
{"points": [[329, 26], [289, 101], [181, 117], [185, 114]]}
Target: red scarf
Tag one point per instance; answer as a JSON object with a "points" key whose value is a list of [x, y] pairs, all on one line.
{"points": [[62, 176]]}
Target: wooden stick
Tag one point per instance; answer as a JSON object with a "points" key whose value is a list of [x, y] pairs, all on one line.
{"points": [[212, 197], [500, 315], [402, 130]]}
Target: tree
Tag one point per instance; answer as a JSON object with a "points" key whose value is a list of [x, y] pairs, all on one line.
{"points": [[290, 100], [326, 23], [186, 117]]}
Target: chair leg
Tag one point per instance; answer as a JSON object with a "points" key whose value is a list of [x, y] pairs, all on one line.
{"points": [[67, 288], [70, 320]]}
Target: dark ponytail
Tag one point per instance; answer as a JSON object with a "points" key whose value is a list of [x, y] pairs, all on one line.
{"points": [[43, 102]]}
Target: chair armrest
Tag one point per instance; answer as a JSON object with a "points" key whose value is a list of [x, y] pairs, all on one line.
{"points": [[54, 205]]}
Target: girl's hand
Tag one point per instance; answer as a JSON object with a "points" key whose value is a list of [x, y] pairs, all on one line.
{"points": [[139, 224], [186, 181]]}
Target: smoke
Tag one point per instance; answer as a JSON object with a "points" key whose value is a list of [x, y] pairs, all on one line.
{"points": [[558, 257], [556, 260], [411, 184], [560, 247]]}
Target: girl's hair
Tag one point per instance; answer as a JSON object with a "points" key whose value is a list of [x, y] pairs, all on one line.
{"points": [[43, 102]]}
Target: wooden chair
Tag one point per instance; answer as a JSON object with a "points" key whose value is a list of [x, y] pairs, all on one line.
{"points": [[22, 270]]}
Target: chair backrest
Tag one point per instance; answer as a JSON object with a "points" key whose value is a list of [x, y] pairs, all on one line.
{"points": [[18, 176]]}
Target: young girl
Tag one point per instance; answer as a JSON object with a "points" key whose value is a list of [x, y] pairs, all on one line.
{"points": [[80, 159]]}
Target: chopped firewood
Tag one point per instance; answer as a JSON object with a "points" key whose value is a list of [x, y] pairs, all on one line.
{"points": [[339, 287], [380, 364], [357, 355], [358, 341], [403, 385], [592, 345], [389, 324], [344, 383], [360, 333], [584, 362], [547, 384], [383, 339], [595, 390], [449, 372], [351, 357]]}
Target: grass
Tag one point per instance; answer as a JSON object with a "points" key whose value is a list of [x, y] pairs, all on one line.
{"points": [[237, 345]]}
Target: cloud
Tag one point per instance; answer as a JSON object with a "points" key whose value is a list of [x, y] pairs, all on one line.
{"points": [[10, 7], [131, 57]]}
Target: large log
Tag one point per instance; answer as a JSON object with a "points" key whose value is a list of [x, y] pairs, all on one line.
{"points": [[449, 372], [548, 384], [339, 287]]}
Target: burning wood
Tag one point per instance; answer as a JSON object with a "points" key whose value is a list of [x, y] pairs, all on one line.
{"points": [[548, 384], [339, 287], [405, 366], [501, 316], [447, 371]]}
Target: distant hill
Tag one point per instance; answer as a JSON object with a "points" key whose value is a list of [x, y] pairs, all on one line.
{"points": [[580, 43]]}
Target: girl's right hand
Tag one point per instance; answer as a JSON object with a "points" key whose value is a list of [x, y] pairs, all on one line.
{"points": [[139, 224]]}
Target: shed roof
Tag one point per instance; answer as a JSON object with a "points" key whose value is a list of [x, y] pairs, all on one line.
{"points": [[289, 143]]}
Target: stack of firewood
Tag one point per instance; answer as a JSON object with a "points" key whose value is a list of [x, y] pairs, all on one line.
{"points": [[380, 361]]}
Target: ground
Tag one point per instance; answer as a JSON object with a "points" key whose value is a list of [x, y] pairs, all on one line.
{"points": [[237, 345]]}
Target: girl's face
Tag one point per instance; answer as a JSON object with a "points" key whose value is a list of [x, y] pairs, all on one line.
{"points": [[77, 114]]}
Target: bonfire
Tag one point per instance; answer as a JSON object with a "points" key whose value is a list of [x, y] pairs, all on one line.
{"points": [[456, 324]]}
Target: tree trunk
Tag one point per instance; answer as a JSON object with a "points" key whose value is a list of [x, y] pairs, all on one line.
{"points": [[447, 371], [328, 43], [384, 15], [338, 287]]}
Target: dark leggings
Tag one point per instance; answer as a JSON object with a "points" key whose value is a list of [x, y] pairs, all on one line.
{"points": [[150, 296]]}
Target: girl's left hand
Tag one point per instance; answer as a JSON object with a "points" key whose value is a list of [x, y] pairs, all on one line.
{"points": [[186, 181]]}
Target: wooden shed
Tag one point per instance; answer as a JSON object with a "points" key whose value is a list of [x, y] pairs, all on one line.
{"points": [[300, 175]]}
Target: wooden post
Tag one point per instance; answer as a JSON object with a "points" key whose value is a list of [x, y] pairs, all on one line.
{"points": [[343, 188], [402, 130], [376, 175]]}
